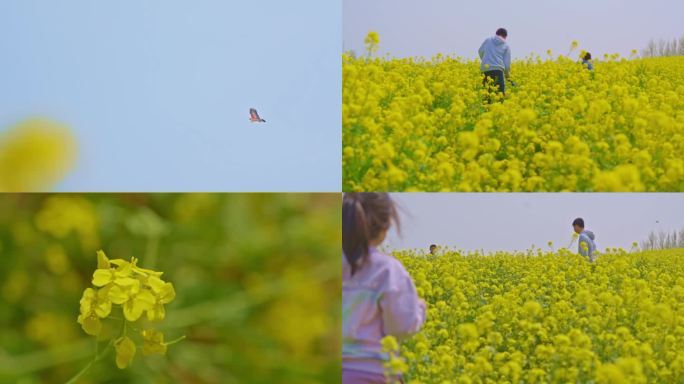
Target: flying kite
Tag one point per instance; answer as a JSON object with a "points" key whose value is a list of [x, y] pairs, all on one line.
{"points": [[254, 116]]}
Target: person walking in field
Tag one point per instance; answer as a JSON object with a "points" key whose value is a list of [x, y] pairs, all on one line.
{"points": [[586, 61], [378, 296], [586, 245], [433, 249], [495, 56]]}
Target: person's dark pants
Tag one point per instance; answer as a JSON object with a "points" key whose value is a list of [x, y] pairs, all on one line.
{"points": [[498, 79]]}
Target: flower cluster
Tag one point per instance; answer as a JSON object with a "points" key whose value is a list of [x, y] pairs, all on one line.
{"points": [[136, 291], [62, 215], [548, 317], [395, 366], [415, 124]]}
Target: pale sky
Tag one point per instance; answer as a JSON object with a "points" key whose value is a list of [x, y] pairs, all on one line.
{"points": [[427, 27], [158, 92], [516, 221]]}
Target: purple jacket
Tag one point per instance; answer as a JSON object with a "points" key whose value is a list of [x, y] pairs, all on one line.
{"points": [[379, 300]]}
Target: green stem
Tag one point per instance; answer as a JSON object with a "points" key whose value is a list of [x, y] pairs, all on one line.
{"points": [[175, 340], [151, 252], [80, 373], [97, 358]]}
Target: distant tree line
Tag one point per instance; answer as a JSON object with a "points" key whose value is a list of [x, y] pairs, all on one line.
{"points": [[663, 240], [662, 47]]}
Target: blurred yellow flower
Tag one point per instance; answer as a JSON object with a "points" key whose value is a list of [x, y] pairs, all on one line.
{"points": [[532, 309], [56, 260], [50, 328], [16, 286], [371, 41], [395, 365], [389, 344], [62, 214], [584, 246], [34, 155], [372, 38]]}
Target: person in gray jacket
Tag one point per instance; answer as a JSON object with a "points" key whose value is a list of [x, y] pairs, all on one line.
{"points": [[586, 245], [495, 55]]}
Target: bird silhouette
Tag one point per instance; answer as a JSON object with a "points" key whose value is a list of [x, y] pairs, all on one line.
{"points": [[254, 116]]}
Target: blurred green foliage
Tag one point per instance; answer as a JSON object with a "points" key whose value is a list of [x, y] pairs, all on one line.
{"points": [[257, 279]]}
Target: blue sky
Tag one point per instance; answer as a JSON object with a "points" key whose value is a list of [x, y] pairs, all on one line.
{"points": [[516, 221], [157, 92], [426, 27]]}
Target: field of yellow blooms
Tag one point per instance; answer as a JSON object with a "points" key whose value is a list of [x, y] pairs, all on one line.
{"points": [[188, 288], [542, 317], [425, 125]]}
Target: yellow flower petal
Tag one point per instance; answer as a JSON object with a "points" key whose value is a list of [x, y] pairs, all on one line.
{"points": [[125, 351], [155, 283], [126, 281], [102, 260], [124, 270], [91, 325], [156, 313], [118, 295], [134, 307], [146, 299], [87, 300], [103, 308], [167, 294], [153, 342], [148, 272], [132, 310], [102, 277], [130, 286]]}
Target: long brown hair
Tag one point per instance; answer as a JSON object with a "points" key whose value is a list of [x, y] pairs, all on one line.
{"points": [[364, 217]]}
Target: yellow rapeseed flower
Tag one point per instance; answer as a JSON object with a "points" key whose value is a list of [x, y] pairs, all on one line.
{"points": [[34, 155], [132, 290], [372, 38], [94, 305], [153, 342]]}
